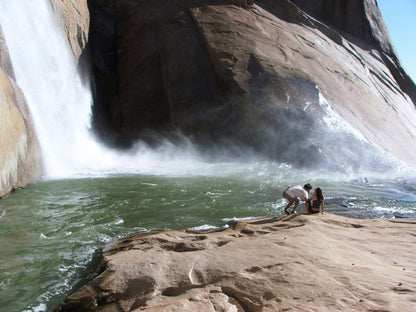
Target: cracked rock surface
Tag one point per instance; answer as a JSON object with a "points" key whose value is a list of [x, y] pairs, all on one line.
{"points": [[291, 263]]}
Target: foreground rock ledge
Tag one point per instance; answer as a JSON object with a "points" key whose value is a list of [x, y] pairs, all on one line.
{"points": [[291, 263]]}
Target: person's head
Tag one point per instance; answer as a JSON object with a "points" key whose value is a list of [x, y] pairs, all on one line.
{"points": [[307, 187], [318, 192]]}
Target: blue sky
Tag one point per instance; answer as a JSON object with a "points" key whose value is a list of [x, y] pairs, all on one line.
{"points": [[400, 17]]}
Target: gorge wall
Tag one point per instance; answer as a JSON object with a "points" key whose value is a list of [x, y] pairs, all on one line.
{"points": [[296, 81], [20, 154], [267, 75], [75, 19], [20, 161]]}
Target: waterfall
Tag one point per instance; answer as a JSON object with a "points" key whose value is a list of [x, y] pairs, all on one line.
{"points": [[61, 105], [61, 108], [45, 71]]}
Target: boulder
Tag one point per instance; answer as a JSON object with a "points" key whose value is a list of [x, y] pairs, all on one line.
{"points": [[291, 263], [288, 79]]}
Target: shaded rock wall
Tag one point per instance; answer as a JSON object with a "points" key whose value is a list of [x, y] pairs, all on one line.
{"points": [[20, 160], [256, 75]]}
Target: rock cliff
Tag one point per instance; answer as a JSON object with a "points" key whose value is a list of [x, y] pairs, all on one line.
{"points": [[20, 157], [20, 160], [292, 263], [289, 79], [74, 18]]}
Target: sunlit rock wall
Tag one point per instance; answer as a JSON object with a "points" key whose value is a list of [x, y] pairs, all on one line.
{"points": [[20, 160], [20, 157], [74, 18]]}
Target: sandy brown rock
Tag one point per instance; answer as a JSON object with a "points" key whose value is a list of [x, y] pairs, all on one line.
{"points": [[255, 75], [291, 263], [74, 17], [5, 62], [20, 159]]}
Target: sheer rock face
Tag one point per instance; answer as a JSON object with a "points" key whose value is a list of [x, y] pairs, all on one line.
{"points": [[277, 76], [74, 17], [20, 160], [5, 62], [291, 263], [20, 157]]}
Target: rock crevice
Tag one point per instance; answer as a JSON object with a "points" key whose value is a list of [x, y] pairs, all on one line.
{"points": [[324, 263]]}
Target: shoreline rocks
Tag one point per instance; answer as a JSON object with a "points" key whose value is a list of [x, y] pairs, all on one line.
{"points": [[290, 263]]}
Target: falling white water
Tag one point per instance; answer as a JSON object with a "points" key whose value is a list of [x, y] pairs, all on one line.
{"points": [[61, 107], [61, 104], [46, 73]]}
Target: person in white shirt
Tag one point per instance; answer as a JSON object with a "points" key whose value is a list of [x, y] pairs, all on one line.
{"points": [[293, 193]]}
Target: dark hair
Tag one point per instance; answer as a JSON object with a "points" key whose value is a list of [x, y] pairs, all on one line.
{"points": [[319, 193], [307, 186]]}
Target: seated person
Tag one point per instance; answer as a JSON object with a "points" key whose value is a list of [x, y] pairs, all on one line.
{"points": [[316, 202]]}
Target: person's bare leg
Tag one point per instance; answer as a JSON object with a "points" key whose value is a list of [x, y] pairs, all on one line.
{"points": [[296, 206], [290, 202], [287, 207]]}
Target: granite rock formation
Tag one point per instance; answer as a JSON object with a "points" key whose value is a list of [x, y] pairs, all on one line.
{"points": [[20, 160], [74, 18], [276, 76], [20, 156], [291, 263]]}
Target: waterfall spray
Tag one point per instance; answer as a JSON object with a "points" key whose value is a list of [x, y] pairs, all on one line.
{"points": [[61, 104], [46, 72], [61, 108]]}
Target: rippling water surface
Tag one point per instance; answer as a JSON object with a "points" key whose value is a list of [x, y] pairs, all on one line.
{"points": [[49, 231]]}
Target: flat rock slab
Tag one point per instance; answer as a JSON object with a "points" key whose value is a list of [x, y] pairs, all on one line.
{"points": [[290, 263]]}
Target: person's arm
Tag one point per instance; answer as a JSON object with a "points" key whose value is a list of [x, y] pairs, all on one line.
{"points": [[285, 190], [322, 206]]}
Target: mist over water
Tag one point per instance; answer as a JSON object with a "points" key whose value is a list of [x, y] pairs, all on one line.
{"points": [[61, 104], [61, 107], [91, 194], [66, 220]]}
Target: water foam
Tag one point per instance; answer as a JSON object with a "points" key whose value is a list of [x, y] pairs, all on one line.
{"points": [[61, 104], [61, 107]]}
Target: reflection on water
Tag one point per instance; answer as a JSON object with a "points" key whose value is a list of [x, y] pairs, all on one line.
{"points": [[50, 230]]}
